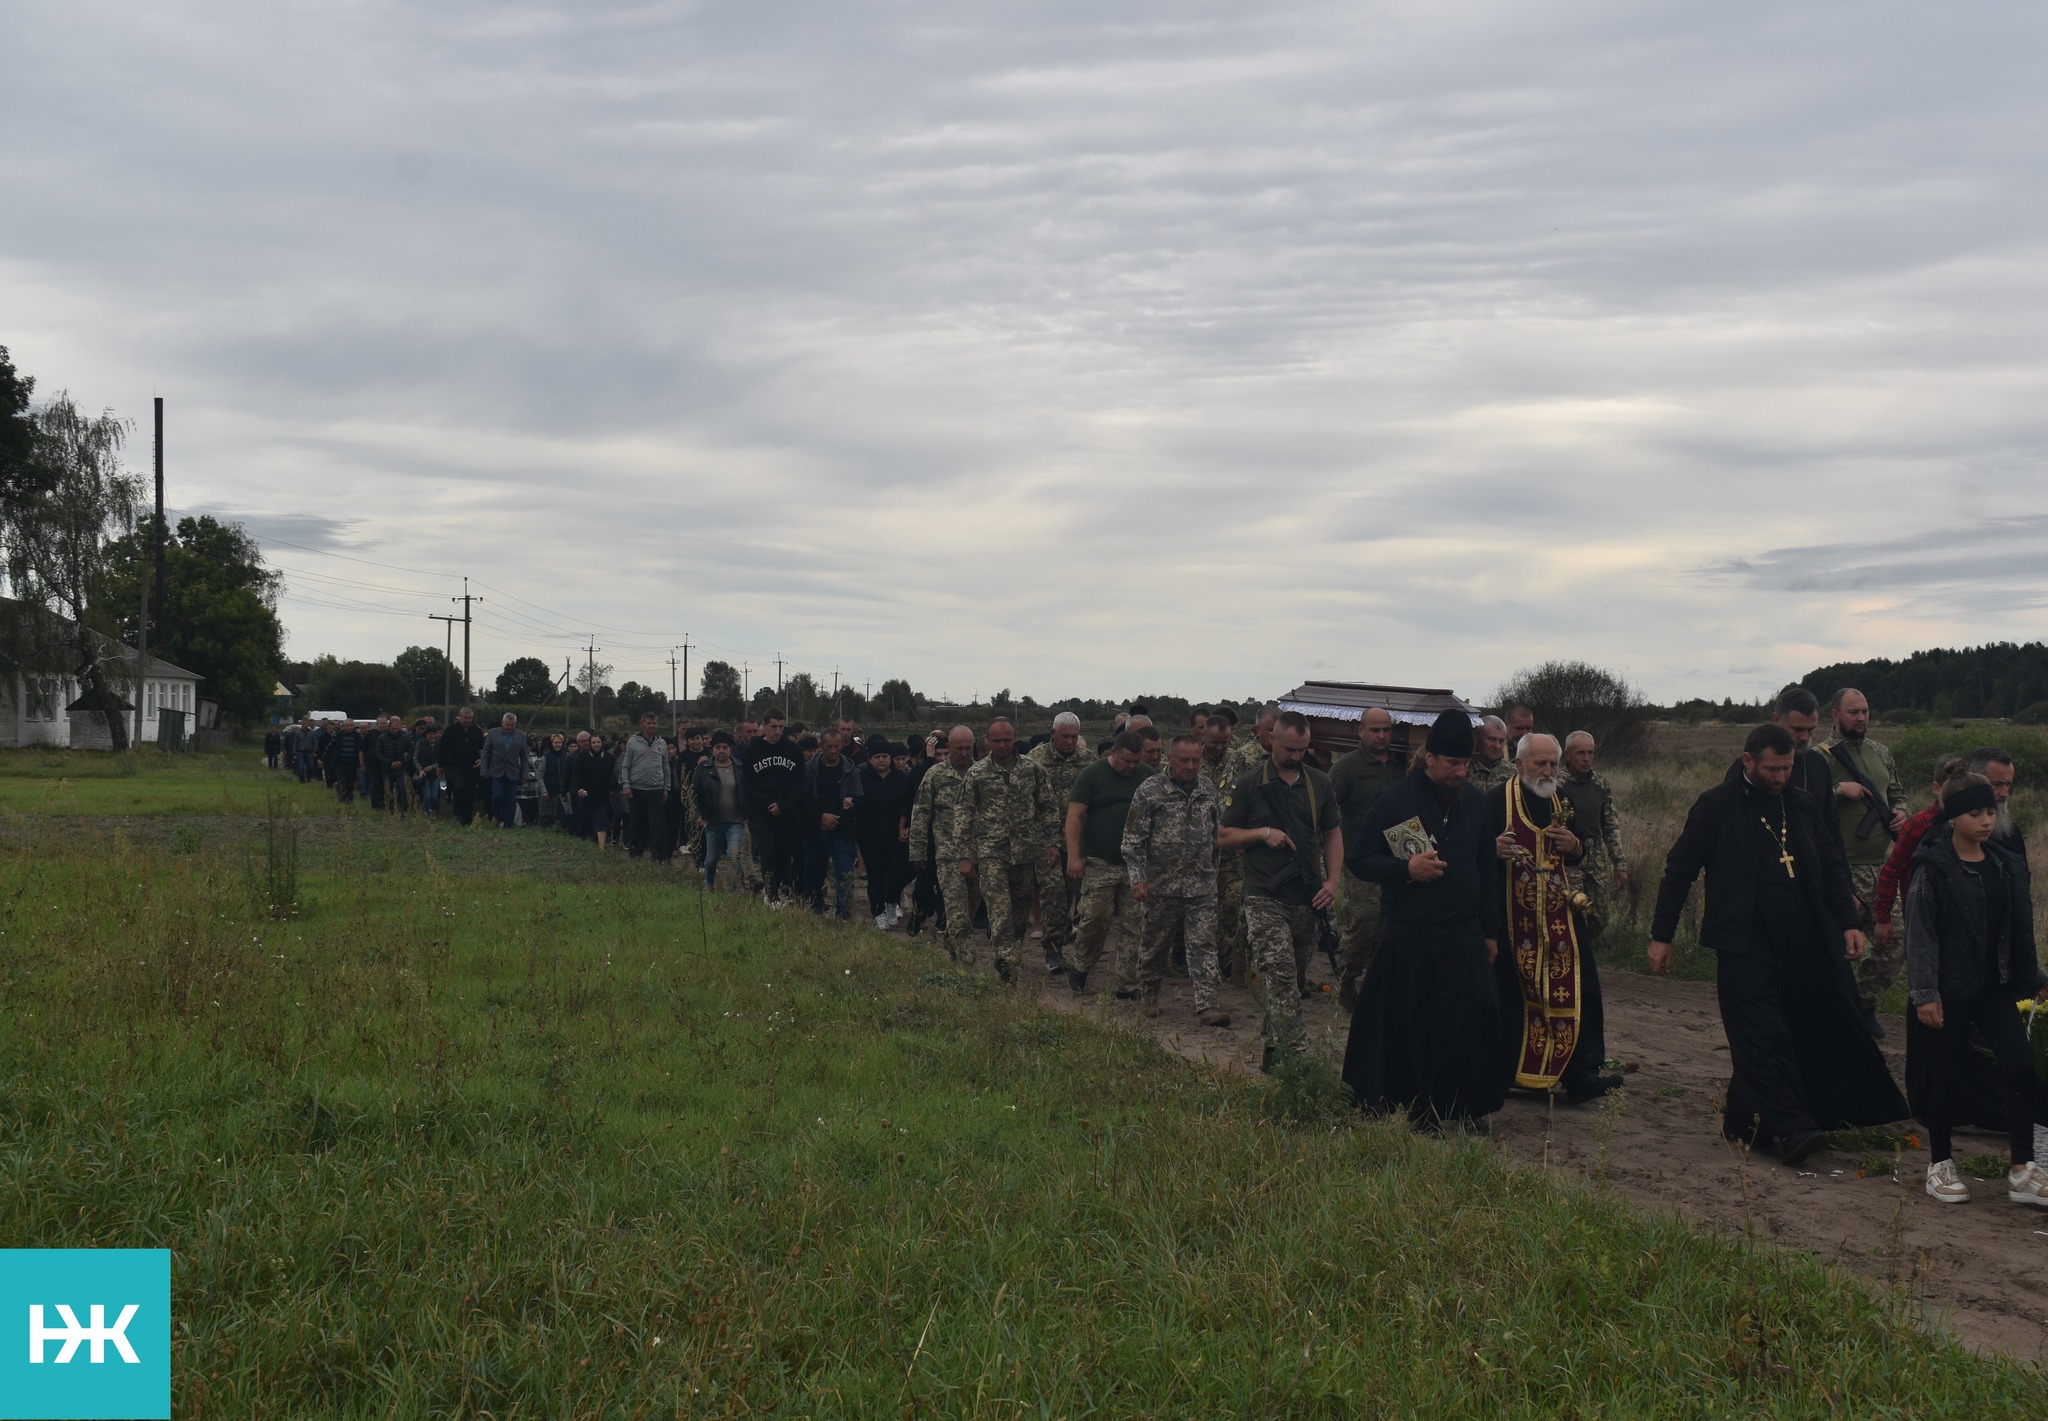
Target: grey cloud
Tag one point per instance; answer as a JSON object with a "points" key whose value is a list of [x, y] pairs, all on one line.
{"points": [[856, 329], [1980, 553]]}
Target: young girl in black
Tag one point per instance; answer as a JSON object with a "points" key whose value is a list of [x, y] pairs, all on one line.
{"points": [[1969, 955]]}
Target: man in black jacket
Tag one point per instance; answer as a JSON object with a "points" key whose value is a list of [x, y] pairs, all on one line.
{"points": [[462, 753], [884, 830], [774, 769], [829, 807], [1782, 923], [1425, 1034], [393, 763], [345, 760], [1799, 713]]}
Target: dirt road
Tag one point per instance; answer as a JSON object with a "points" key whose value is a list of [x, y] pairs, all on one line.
{"points": [[1980, 1270]]}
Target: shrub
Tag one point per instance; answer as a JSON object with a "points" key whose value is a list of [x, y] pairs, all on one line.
{"points": [[2035, 714], [1572, 695], [1905, 715]]}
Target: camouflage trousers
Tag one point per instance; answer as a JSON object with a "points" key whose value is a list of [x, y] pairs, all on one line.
{"points": [[1230, 960], [1281, 938], [1008, 889], [1362, 929], [1106, 902], [1053, 909], [1190, 921], [1880, 966], [957, 893]]}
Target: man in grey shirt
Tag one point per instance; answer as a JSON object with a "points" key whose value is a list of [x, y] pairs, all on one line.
{"points": [[643, 781], [504, 766]]}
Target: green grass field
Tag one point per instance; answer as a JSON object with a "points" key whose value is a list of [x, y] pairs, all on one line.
{"points": [[497, 1127], [232, 781]]}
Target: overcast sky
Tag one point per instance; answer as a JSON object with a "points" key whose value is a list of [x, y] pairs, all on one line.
{"points": [[1079, 348]]}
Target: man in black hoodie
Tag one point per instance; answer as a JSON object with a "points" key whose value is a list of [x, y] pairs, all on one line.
{"points": [[830, 808], [884, 830], [774, 780]]}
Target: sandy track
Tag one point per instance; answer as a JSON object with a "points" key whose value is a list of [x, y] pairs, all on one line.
{"points": [[1980, 1270]]}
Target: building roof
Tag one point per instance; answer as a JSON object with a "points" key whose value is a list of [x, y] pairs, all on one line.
{"points": [[119, 653], [162, 670], [1350, 700]]}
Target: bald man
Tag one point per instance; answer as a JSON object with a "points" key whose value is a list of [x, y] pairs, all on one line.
{"points": [[1357, 780]]}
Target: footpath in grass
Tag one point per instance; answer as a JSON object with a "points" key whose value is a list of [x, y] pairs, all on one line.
{"points": [[465, 1140]]}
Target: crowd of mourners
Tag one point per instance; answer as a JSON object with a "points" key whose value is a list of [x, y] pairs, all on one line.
{"points": [[1457, 887]]}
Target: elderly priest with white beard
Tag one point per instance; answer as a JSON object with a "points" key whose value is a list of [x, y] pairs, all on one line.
{"points": [[1553, 1029]]}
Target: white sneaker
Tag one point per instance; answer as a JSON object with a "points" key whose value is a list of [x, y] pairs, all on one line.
{"points": [[2028, 1185], [881, 922], [1945, 1185], [893, 913]]}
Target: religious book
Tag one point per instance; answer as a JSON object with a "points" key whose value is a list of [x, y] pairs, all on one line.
{"points": [[1407, 839]]}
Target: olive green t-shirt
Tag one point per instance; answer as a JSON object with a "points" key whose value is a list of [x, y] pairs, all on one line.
{"points": [[1246, 807], [1107, 797]]}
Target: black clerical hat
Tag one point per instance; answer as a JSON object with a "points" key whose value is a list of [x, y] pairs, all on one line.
{"points": [[1451, 735]]}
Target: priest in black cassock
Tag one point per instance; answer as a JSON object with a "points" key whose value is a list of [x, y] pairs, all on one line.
{"points": [[1424, 1035], [1781, 921], [1552, 1020]]}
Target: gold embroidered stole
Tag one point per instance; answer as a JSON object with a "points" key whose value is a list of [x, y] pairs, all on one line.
{"points": [[1541, 934]]}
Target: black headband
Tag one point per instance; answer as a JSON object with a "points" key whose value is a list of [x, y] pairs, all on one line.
{"points": [[1968, 798]]}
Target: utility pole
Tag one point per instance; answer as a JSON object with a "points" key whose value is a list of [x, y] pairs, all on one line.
{"points": [[590, 673], [141, 642], [448, 667], [162, 630], [835, 693], [746, 687], [674, 712], [568, 685], [465, 599], [686, 668], [781, 686]]}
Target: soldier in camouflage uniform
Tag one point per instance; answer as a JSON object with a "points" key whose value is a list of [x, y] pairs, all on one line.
{"points": [[1281, 900], [1249, 753], [935, 834], [1170, 852], [1868, 828], [1603, 872], [1094, 831], [1009, 828], [1493, 763], [1063, 758], [1357, 780], [1218, 757], [1254, 750]]}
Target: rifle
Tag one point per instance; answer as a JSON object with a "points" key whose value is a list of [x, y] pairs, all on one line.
{"points": [[1877, 810]]}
